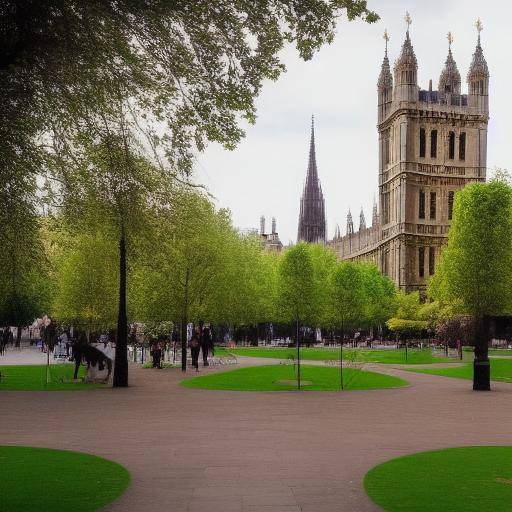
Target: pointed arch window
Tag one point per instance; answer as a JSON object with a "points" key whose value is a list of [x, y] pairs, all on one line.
{"points": [[451, 145], [433, 144], [433, 197], [422, 142], [421, 261], [421, 205], [431, 260], [462, 146], [450, 204]]}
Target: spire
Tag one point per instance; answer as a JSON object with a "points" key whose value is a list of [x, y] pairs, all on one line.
{"points": [[478, 69], [449, 81], [362, 220], [312, 226], [407, 59], [337, 232], [385, 79], [274, 230], [312, 171], [350, 224]]}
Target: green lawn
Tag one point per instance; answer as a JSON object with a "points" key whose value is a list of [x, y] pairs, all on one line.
{"points": [[33, 378], [387, 356], [473, 479], [501, 369], [39, 479], [264, 378]]}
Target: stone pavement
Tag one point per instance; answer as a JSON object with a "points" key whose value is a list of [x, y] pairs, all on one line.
{"points": [[191, 450]]}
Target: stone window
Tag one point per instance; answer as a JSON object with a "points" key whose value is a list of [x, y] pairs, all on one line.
{"points": [[462, 146], [431, 260], [421, 205], [433, 205], [433, 144], [421, 261], [422, 142], [451, 145], [450, 204]]}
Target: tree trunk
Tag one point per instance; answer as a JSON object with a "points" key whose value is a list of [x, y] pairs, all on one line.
{"points": [[121, 361], [298, 355], [481, 364], [184, 322], [18, 336], [341, 355]]}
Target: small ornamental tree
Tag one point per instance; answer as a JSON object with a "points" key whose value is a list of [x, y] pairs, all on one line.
{"points": [[476, 266], [348, 299], [297, 293]]}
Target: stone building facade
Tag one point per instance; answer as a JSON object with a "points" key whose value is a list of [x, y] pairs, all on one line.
{"points": [[431, 144]]}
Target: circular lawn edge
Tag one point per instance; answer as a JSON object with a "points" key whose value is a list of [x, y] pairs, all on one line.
{"points": [[36, 479]]}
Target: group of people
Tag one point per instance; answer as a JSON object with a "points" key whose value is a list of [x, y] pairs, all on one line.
{"points": [[201, 341]]}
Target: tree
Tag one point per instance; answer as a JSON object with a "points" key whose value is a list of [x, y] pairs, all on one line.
{"points": [[87, 281], [347, 300], [106, 181], [380, 297], [297, 291], [181, 280], [408, 321], [195, 65], [476, 266], [24, 276]]}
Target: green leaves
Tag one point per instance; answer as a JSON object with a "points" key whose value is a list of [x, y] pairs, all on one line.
{"points": [[476, 266]]}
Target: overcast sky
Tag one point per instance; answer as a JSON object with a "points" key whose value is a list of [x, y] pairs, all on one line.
{"points": [[265, 174]]}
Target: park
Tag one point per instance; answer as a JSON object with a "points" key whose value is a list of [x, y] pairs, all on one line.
{"points": [[156, 354]]}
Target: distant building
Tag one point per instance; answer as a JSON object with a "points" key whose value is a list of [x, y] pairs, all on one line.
{"points": [[431, 144], [270, 240]]}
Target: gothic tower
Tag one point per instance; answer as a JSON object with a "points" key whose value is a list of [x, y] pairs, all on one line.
{"points": [[431, 144], [312, 226]]}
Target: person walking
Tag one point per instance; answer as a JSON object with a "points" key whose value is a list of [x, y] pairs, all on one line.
{"points": [[195, 346], [206, 344], [156, 353]]}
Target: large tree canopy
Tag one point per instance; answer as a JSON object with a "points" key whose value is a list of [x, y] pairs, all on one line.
{"points": [[197, 66]]}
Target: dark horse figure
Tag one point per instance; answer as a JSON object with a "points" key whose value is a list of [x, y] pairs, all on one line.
{"points": [[83, 352]]}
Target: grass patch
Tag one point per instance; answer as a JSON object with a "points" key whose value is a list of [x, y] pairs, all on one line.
{"points": [[33, 378], [265, 378], [501, 370], [38, 479], [472, 479], [386, 356]]}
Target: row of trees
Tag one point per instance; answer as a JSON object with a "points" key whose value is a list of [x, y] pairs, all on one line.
{"points": [[107, 102], [190, 264]]}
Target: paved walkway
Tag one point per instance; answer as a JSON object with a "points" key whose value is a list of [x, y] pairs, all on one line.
{"points": [[197, 450]]}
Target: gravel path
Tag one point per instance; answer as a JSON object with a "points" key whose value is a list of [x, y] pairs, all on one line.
{"points": [[191, 450]]}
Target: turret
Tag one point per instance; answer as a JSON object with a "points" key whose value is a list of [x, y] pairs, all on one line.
{"points": [[385, 84], [449, 81], [350, 224], [362, 221], [262, 225], [406, 70], [478, 77], [274, 230]]}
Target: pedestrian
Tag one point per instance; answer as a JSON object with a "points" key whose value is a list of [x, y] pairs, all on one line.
{"points": [[156, 354], [206, 343], [195, 346]]}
